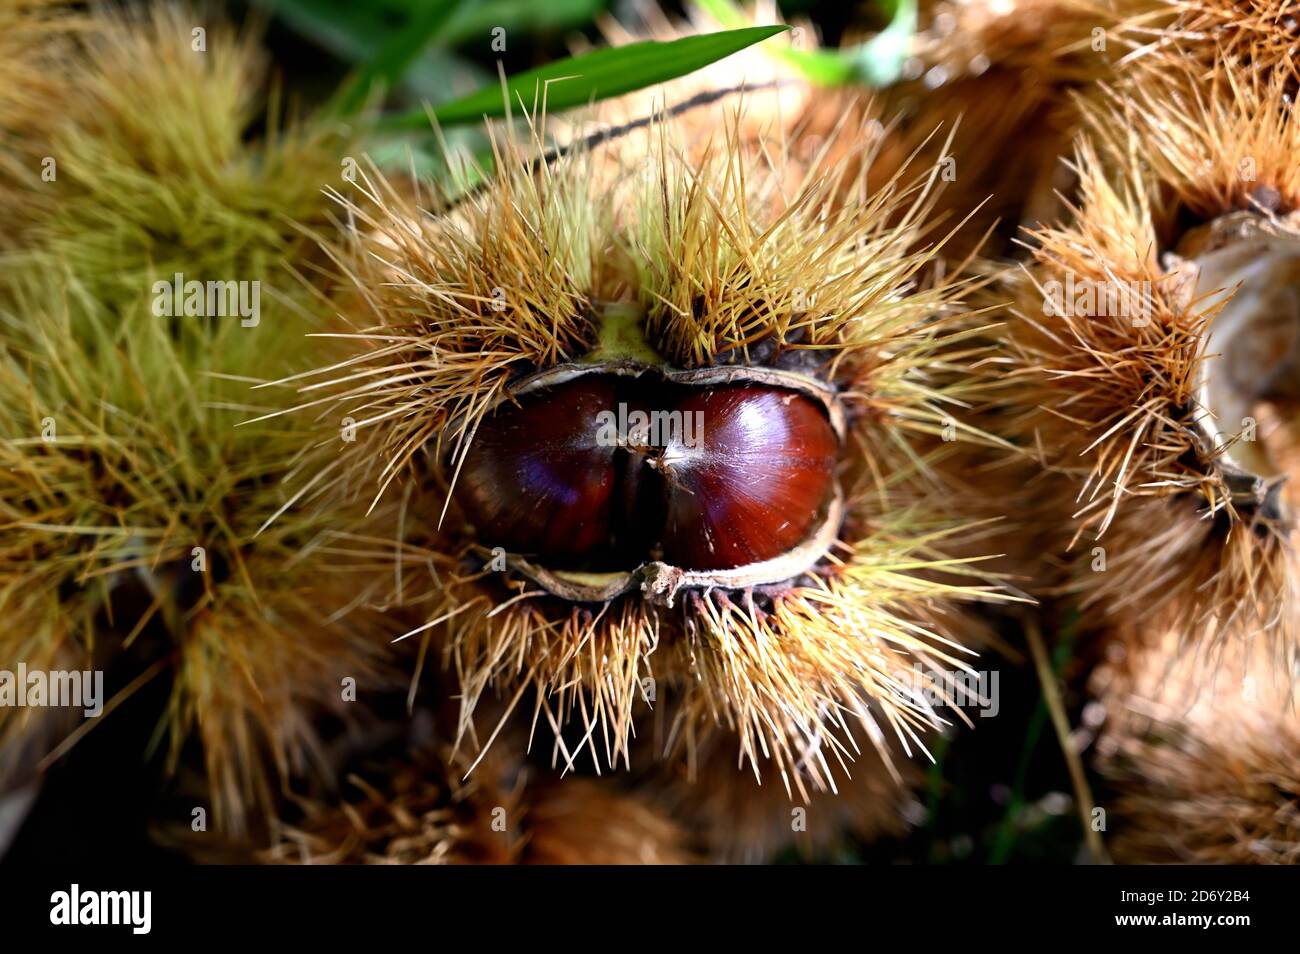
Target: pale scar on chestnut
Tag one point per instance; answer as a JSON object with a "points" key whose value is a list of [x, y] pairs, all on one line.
{"points": [[601, 478]]}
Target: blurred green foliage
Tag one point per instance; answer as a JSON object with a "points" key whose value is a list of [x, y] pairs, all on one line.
{"points": [[358, 32]]}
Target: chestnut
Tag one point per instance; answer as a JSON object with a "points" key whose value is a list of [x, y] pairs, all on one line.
{"points": [[726, 475], [752, 487], [537, 480]]}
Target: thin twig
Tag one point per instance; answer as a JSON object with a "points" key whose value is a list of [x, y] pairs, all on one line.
{"points": [[602, 136], [1056, 708]]}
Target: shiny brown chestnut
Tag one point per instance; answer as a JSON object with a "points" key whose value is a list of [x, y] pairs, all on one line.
{"points": [[538, 481], [728, 474], [753, 485]]}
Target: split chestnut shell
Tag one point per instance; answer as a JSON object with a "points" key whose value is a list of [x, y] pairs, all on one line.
{"points": [[592, 478]]}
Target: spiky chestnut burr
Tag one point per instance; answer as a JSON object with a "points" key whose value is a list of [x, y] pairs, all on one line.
{"points": [[1200, 755], [36, 49], [131, 503], [401, 794], [687, 283], [989, 94], [1150, 327], [734, 813], [1248, 33]]}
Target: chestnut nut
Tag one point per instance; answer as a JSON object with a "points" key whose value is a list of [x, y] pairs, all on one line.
{"points": [[604, 472]]}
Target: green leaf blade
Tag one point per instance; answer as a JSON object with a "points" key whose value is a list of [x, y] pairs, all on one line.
{"points": [[594, 76]]}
